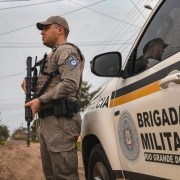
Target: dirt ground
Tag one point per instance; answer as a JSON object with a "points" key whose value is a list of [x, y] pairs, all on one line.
{"points": [[18, 162]]}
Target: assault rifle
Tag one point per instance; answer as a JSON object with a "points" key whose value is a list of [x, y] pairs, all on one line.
{"points": [[30, 85]]}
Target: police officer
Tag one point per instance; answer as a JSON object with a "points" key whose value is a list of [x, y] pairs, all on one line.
{"points": [[152, 54], [57, 104]]}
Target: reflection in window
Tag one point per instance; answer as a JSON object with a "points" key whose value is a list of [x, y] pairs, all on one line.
{"points": [[162, 38]]}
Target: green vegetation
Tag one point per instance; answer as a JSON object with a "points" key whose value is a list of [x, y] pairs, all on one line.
{"points": [[4, 133], [32, 141], [2, 143], [86, 96], [19, 133], [34, 130], [78, 146]]}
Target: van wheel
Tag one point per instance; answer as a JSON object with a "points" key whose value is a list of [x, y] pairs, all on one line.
{"points": [[99, 167]]}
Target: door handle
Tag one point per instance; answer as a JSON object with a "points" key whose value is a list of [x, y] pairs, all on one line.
{"points": [[174, 77]]}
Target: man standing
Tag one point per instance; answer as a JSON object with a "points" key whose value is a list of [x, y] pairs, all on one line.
{"points": [[56, 101]]}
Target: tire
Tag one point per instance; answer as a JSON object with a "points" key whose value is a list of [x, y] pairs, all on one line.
{"points": [[99, 167]]}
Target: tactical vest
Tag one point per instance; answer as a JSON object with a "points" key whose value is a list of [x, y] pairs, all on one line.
{"points": [[52, 66]]}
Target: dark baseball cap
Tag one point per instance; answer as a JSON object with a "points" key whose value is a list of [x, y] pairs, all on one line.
{"points": [[152, 42], [53, 20]]}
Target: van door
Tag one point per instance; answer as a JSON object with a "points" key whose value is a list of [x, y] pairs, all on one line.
{"points": [[147, 105]]}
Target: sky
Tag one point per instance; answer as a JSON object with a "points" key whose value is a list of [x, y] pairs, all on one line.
{"points": [[96, 26]]}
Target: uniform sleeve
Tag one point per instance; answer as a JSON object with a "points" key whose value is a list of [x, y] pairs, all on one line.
{"points": [[70, 73]]}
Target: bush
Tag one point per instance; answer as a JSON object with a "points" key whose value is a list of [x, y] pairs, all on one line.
{"points": [[2, 143]]}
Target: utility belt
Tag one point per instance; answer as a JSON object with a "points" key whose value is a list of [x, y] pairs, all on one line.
{"points": [[61, 107]]}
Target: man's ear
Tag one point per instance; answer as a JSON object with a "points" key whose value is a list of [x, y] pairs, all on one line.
{"points": [[155, 47], [60, 30]]}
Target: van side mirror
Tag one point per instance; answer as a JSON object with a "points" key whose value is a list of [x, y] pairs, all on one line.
{"points": [[107, 64]]}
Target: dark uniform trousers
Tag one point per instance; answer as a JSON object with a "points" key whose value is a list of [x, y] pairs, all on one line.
{"points": [[58, 137]]}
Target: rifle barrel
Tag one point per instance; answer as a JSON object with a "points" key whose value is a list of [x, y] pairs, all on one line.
{"points": [[28, 111]]}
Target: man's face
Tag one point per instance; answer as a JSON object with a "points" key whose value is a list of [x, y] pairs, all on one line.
{"points": [[50, 35]]}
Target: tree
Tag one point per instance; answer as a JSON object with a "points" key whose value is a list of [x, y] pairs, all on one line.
{"points": [[86, 96], [4, 132], [19, 133]]}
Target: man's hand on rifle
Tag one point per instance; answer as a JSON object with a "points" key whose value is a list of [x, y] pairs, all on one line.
{"points": [[23, 85], [35, 105]]}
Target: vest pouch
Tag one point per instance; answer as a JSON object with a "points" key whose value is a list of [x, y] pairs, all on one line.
{"points": [[70, 109], [59, 107]]}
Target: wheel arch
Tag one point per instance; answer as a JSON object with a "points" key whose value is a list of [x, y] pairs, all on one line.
{"points": [[88, 143]]}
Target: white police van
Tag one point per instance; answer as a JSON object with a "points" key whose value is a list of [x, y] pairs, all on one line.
{"points": [[131, 129]]}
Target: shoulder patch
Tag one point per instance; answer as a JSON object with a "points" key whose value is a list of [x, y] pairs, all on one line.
{"points": [[72, 61], [64, 55]]}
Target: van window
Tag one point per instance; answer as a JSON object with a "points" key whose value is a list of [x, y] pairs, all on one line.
{"points": [[161, 39]]}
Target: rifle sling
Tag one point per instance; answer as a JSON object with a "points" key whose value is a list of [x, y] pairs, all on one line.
{"points": [[52, 74]]}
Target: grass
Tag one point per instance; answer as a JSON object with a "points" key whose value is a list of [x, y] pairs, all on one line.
{"points": [[2, 143], [34, 141], [78, 146]]}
